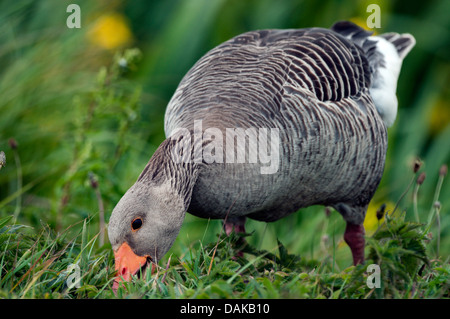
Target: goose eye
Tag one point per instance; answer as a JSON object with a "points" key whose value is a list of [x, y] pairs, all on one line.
{"points": [[136, 223]]}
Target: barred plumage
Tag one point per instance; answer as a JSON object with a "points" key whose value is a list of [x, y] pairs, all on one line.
{"points": [[314, 85], [331, 95]]}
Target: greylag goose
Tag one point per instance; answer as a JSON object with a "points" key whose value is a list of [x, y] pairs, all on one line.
{"points": [[264, 124]]}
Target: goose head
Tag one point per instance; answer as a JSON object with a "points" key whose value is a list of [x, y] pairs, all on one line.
{"points": [[143, 226]]}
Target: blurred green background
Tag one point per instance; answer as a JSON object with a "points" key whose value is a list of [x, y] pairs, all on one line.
{"points": [[72, 110]]}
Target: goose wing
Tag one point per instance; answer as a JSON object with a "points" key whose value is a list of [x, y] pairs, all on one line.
{"points": [[260, 70]]}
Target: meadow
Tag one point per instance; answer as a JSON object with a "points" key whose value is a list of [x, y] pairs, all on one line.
{"points": [[82, 111]]}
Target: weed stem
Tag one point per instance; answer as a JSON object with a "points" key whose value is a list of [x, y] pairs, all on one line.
{"points": [[403, 195], [101, 208], [13, 145], [416, 212], [437, 206]]}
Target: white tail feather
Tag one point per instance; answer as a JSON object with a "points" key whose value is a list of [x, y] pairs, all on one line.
{"points": [[384, 85]]}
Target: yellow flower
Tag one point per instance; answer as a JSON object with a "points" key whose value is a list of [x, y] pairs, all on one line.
{"points": [[110, 31], [371, 221]]}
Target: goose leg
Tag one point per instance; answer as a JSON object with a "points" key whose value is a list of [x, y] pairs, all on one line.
{"points": [[238, 225], [354, 237], [354, 232]]}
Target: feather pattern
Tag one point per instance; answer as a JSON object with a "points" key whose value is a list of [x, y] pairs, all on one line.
{"points": [[328, 94], [314, 86]]}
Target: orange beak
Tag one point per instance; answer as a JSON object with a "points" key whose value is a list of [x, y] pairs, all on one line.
{"points": [[127, 264]]}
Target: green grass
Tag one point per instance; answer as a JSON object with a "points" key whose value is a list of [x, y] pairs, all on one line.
{"points": [[73, 113], [34, 263]]}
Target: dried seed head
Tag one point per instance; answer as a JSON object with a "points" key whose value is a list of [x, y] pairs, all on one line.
{"points": [[421, 178], [443, 170], [416, 166], [12, 143], [380, 211], [437, 204], [93, 180]]}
